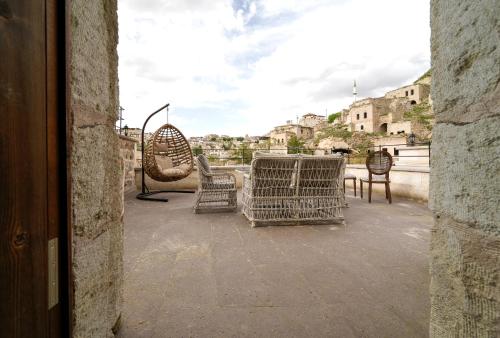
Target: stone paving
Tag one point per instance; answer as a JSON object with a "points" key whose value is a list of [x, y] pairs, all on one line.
{"points": [[212, 275]]}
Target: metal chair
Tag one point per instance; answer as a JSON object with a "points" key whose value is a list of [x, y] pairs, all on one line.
{"points": [[379, 165]]}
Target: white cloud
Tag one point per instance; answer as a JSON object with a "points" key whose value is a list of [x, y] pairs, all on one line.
{"points": [[242, 67]]}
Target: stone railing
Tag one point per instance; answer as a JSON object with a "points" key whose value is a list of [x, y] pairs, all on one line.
{"points": [[406, 181]]}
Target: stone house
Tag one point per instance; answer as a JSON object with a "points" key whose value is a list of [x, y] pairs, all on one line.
{"points": [[385, 114], [311, 120], [281, 134], [415, 93]]}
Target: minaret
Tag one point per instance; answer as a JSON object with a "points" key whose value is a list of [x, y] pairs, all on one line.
{"points": [[354, 90]]}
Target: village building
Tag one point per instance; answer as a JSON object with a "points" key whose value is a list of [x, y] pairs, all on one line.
{"points": [[282, 134], [385, 114], [311, 120], [415, 93]]}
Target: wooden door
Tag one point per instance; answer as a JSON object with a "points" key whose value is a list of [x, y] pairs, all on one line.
{"points": [[33, 227]]}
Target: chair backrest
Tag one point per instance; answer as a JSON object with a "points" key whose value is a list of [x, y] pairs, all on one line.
{"points": [[202, 162], [379, 163], [286, 175]]}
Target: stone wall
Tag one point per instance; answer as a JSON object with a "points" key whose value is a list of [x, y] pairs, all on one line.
{"points": [[128, 156], [96, 169], [465, 177]]}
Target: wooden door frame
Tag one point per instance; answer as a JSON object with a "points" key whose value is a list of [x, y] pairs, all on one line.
{"points": [[65, 51], [37, 200]]}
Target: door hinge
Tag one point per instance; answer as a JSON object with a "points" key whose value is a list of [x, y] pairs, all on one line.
{"points": [[53, 273]]}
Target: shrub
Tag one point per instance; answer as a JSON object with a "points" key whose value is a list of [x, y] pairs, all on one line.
{"points": [[333, 117]]}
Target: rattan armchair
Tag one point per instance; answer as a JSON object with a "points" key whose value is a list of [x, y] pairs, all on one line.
{"points": [[379, 164], [216, 191]]}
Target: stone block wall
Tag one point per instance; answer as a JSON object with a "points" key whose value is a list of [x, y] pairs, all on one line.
{"points": [[96, 169], [128, 156], [465, 169]]}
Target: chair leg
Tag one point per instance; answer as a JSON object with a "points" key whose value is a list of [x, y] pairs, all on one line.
{"points": [[369, 192], [354, 182], [388, 192], [361, 188], [344, 186]]}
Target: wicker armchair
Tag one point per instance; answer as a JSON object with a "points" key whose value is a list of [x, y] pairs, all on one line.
{"points": [[216, 191], [379, 164], [289, 190]]}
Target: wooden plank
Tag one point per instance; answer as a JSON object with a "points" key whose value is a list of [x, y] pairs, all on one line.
{"points": [[23, 150], [55, 124]]}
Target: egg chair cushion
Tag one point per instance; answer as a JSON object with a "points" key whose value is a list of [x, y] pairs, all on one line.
{"points": [[164, 162], [181, 170], [160, 147]]}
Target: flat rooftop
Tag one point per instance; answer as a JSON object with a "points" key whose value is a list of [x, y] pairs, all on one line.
{"points": [[212, 275]]}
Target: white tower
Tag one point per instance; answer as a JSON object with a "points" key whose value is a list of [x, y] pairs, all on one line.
{"points": [[354, 90]]}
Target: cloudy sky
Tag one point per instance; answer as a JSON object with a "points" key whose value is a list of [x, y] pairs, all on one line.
{"points": [[243, 66]]}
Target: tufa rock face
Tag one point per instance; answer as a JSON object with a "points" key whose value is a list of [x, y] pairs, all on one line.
{"points": [[97, 169], [465, 177]]}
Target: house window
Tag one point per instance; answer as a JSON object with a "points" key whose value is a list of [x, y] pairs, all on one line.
{"points": [[365, 115], [362, 127], [411, 92], [406, 93], [357, 116]]}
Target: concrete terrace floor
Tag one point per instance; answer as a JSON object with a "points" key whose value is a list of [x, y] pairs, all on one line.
{"points": [[212, 275]]}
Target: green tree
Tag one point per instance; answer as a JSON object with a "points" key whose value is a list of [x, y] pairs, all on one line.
{"points": [[227, 145], [333, 117], [197, 150], [295, 145], [243, 153], [212, 158], [240, 138]]}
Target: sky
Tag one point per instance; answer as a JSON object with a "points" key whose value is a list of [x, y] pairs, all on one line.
{"points": [[242, 67]]}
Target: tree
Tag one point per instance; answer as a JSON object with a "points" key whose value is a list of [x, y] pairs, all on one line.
{"points": [[243, 153], [197, 150], [295, 145], [333, 117], [212, 158], [240, 138]]}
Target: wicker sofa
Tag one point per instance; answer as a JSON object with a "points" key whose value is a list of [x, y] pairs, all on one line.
{"points": [[294, 189]]}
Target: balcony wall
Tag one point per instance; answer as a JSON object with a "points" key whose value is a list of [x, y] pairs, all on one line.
{"points": [[410, 182]]}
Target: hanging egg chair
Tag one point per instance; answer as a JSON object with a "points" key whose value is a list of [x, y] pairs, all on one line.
{"points": [[167, 155]]}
